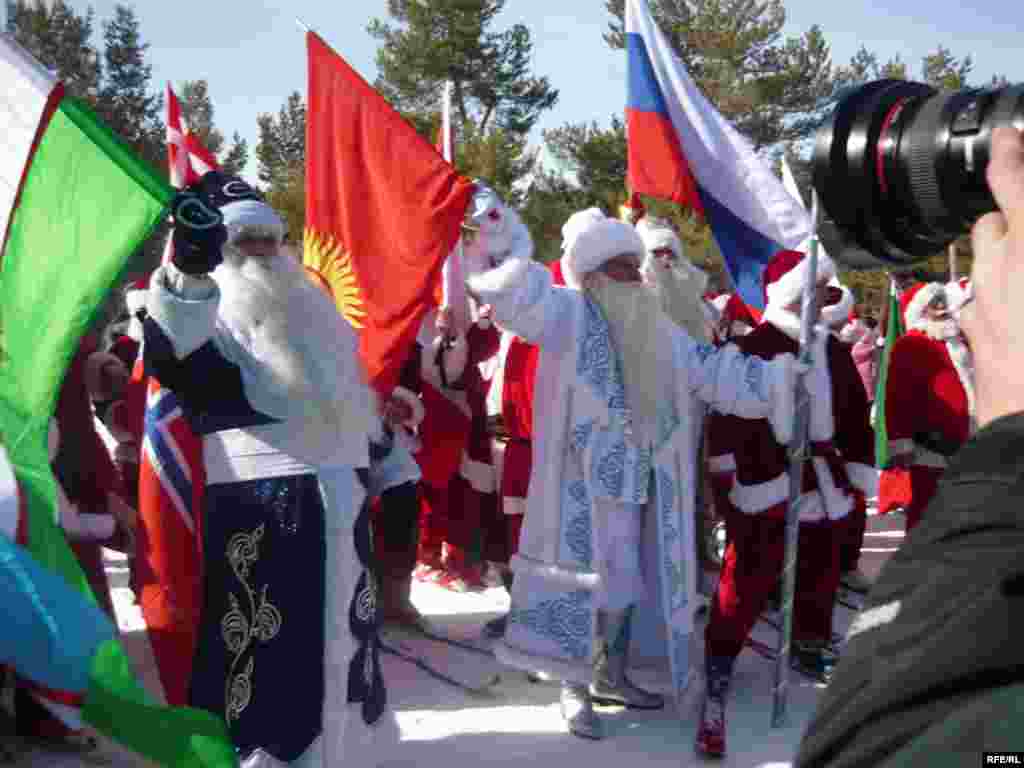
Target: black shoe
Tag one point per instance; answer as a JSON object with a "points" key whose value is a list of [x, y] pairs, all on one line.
{"points": [[495, 628], [814, 661]]}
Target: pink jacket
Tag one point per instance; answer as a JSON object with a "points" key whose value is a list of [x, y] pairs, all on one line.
{"points": [[866, 353]]}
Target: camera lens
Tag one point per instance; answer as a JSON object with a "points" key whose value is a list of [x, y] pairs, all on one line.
{"points": [[900, 168]]}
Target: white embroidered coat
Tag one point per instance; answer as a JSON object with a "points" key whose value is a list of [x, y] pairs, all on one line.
{"points": [[581, 452]]}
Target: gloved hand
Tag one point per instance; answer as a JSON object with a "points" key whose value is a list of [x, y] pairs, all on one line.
{"points": [[198, 235]]}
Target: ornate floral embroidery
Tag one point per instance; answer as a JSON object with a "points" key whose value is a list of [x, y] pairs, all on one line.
{"points": [[703, 352], [668, 423], [581, 436], [667, 502], [642, 478], [565, 620], [754, 377], [241, 628], [597, 363], [611, 469], [578, 531]]}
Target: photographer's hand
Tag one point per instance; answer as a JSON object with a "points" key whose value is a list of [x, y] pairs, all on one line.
{"points": [[990, 322]]}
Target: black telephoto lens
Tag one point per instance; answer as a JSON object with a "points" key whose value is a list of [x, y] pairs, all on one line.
{"points": [[900, 168]]}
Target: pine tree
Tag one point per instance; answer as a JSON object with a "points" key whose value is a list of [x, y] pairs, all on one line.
{"points": [[61, 40], [236, 158], [434, 41], [281, 149], [125, 102], [198, 111]]}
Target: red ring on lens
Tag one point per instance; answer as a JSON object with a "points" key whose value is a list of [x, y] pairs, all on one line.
{"points": [[885, 142]]}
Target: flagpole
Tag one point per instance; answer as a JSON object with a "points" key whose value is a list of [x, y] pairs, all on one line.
{"points": [[798, 455], [302, 25]]}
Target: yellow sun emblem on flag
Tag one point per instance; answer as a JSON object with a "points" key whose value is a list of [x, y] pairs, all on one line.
{"points": [[330, 267]]}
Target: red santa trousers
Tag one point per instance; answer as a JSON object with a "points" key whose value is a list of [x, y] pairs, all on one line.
{"points": [[850, 532], [752, 569]]}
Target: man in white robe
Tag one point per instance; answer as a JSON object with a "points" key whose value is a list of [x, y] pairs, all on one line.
{"points": [[265, 370], [609, 512]]}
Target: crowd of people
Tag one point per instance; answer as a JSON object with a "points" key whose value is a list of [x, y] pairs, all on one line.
{"points": [[555, 440]]}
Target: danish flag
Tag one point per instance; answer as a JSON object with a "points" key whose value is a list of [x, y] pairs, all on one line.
{"points": [[171, 482]]}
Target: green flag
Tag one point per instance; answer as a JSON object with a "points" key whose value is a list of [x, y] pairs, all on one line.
{"points": [[75, 203], [893, 331]]}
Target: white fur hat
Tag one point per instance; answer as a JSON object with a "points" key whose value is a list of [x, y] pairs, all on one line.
{"points": [[657, 235], [595, 244], [576, 223], [835, 314], [254, 217], [785, 275], [922, 296]]}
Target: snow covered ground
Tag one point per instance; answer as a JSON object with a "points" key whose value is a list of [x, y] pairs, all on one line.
{"points": [[517, 723]]}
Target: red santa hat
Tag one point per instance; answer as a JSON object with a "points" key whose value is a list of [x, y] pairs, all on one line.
{"points": [[596, 243], [786, 273], [556, 272], [135, 295], [738, 311], [916, 298]]}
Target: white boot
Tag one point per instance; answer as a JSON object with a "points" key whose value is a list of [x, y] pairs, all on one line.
{"points": [[578, 712], [610, 685]]}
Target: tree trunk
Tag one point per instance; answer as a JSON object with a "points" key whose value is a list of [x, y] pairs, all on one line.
{"points": [[953, 277]]}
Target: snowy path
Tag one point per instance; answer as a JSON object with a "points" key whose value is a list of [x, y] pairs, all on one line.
{"points": [[518, 722]]}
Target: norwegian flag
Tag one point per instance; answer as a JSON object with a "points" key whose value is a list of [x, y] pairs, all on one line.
{"points": [[171, 483]]}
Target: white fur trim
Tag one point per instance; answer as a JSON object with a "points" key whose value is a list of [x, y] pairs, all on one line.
{"points": [[481, 477], [817, 381], [499, 280], [790, 287], [566, 577], [656, 237], [838, 313], [781, 373], [914, 313], [722, 464], [411, 399], [135, 299], [576, 223], [252, 215], [454, 358], [756, 499], [513, 505], [187, 322], [582, 673], [597, 243], [94, 365], [864, 477]]}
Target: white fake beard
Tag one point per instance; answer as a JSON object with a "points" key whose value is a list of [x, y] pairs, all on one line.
{"points": [[679, 293], [633, 314], [305, 352], [940, 330]]}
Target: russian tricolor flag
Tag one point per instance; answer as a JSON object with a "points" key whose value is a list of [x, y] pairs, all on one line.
{"points": [[682, 149]]}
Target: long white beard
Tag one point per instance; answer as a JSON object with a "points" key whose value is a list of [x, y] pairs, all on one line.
{"points": [[941, 330], [679, 293], [634, 317], [302, 354]]}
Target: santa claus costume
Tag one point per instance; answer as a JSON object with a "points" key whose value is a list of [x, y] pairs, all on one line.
{"points": [[833, 484], [929, 403]]}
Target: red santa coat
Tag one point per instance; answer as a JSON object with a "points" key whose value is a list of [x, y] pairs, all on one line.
{"points": [[748, 447], [927, 407]]}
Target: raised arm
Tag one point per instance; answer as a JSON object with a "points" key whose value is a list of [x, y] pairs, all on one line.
{"points": [[737, 384]]}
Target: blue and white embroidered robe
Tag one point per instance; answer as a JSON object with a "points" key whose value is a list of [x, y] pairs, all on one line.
{"points": [[581, 452]]}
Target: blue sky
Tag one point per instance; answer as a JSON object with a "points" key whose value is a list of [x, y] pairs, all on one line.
{"points": [[253, 54]]}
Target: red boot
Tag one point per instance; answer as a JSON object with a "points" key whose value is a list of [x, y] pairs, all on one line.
{"points": [[711, 731]]}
